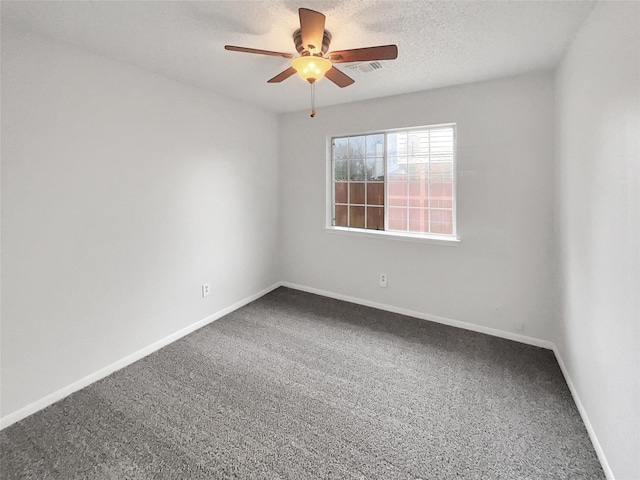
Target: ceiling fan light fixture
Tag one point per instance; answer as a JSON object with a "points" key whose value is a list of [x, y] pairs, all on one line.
{"points": [[311, 68]]}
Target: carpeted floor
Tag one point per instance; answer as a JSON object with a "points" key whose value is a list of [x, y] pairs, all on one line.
{"points": [[299, 386]]}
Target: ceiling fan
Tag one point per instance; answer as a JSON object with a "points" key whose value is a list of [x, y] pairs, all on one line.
{"points": [[312, 43]]}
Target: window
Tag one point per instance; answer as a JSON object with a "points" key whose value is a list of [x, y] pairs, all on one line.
{"points": [[396, 181]]}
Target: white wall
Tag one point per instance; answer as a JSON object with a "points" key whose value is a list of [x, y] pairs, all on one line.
{"points": [[598, 89], [122, 192], [505, 208]]}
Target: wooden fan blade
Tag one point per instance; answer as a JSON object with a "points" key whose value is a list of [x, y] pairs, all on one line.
{"points": [[339, 78], [282, 76], [259, 52], [311, 29], [383, 52]]}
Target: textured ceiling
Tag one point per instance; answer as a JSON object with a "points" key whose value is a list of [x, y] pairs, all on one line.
{"points": [[440, 43]]}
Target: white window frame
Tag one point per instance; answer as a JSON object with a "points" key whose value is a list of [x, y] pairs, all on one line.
{"points": [[442, 239]]}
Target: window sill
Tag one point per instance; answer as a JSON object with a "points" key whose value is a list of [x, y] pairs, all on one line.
{"points": [[407, 237]]}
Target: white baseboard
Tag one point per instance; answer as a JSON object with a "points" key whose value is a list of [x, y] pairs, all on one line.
{"points": [[134, 357], [489, 331], [50, 399], [424, 316], [585, 418]]}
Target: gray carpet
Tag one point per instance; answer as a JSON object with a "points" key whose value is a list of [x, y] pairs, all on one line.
{"points": [[299, 386]]}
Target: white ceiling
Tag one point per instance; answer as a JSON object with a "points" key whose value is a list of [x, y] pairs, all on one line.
{"points": [[440, 43]]}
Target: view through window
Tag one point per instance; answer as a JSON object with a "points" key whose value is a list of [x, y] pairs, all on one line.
{"points": [[399, 180]]}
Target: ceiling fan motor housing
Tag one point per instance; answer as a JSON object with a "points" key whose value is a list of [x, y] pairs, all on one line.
{"points": [[312, 44], [303, 50]]}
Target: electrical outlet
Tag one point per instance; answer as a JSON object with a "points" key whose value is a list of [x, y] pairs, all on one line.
{"points": [[205, 290], [383, 280]]}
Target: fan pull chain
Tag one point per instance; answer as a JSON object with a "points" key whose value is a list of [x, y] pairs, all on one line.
{"points": [[313, 100]]}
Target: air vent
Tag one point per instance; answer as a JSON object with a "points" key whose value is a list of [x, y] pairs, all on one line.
{"points": [[365, 67]]}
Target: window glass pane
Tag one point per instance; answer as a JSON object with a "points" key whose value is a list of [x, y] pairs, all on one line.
{"points": [[442, 221], [356, 169], [441, 195], [397, 144], [442, 141], [375, 193], [341, 194], [405, 178], [340, 216], [375, 145], [418, 170], [439, 170], [397, 218], [356, 217], [375, 218], [397, 169], [397, 193], [356, 147], [356, 193], [340, 170], [392, 145], [418, 144], [340, 148], [418, 194], [419, 220], [441, 185], [375, 168]]}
